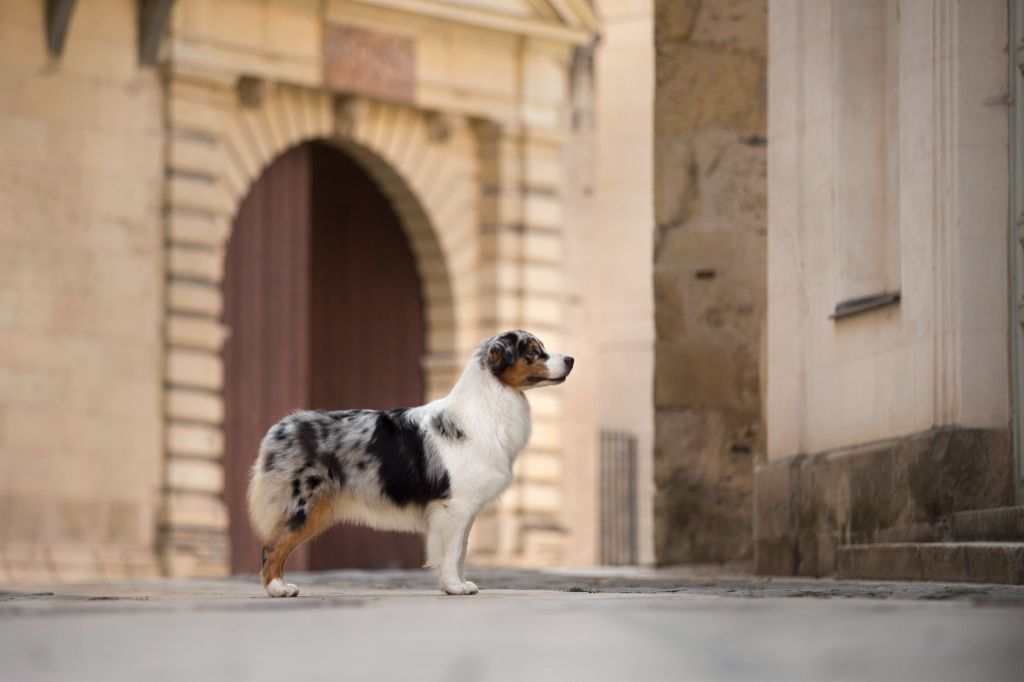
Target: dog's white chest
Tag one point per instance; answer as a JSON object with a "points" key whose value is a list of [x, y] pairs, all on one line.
{"points": [[497, 429]]}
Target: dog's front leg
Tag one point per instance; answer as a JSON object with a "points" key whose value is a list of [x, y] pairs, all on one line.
{"points": [[462, 554], [448, 530]]}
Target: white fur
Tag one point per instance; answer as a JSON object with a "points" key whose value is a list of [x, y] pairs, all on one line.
{"points": [[279, 588], [496, 421]]}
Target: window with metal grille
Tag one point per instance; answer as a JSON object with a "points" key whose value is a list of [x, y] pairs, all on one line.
{"points": [[618, 494]]}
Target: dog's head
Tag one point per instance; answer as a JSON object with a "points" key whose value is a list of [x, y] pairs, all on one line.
{"points": [[519, 360]]}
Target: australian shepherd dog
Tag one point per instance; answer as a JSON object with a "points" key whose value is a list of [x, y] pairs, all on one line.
{"points": [[429, 469]]}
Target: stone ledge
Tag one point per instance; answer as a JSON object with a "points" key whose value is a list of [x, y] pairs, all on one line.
{"points": [[807, 506], [1002, 524], [975, 562]]}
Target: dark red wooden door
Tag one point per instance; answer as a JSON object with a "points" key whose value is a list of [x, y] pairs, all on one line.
{"points": [[367, 331], [266, 355], [323, 304]]}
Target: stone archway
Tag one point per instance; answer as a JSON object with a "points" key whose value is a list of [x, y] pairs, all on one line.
{"points": [[220, 138], [324, 305]]}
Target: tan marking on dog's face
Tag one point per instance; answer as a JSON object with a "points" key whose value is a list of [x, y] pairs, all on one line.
{"points": [[529, 368]]}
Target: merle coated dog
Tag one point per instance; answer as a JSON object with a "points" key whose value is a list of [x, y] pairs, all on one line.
{"points": [[430, 468]]}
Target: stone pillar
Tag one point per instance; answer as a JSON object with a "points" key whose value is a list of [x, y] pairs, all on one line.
{"points": [[709, 275], [192, 529], [521, 287]]}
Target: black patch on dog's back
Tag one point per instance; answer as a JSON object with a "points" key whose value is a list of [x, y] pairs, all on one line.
{"points": [[333, 466], [308, 440], [311, 435], [398, 445], [447, 427]]}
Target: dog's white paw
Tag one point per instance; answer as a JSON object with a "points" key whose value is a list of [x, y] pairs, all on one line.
{"points": [[279, 588], [460, 588]]}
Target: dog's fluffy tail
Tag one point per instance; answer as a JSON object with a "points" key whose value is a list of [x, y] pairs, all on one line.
{"points": [[268, 500]]}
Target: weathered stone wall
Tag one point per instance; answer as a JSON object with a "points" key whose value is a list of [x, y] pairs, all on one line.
{"points": [[709, 274], [80, 284]]}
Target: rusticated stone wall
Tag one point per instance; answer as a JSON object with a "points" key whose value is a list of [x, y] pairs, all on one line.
{"points": [[709, 274], [80, 253]]}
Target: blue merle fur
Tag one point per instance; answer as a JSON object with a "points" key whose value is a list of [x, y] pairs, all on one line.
{"points": [[319, 454]]}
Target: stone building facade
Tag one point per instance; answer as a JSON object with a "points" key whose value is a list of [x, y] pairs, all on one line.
{"points": [[121, 181], [837, 368], [888, 399], [81, 356]]}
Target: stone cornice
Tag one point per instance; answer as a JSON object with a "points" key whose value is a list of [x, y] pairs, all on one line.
{"points": [[534, 28]]}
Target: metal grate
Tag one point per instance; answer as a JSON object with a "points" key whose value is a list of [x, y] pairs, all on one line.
{"points": [[618, 498]]}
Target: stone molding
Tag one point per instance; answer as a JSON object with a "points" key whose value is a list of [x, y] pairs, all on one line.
{"points": [[581, 20]]}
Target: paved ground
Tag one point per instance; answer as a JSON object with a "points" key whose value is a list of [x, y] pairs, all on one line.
{"points": [[593, 625]]}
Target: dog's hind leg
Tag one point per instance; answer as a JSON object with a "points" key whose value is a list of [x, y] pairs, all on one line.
{"points": [[276, 552]]}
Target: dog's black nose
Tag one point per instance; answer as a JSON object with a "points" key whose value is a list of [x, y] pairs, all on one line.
{"points": [[569, 360]]}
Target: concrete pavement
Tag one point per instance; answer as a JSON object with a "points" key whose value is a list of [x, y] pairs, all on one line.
{"points": [[524, 625]]}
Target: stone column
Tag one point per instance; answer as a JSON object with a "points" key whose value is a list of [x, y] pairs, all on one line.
{"points": [[193, 524], [522, 252], [709, 275]]}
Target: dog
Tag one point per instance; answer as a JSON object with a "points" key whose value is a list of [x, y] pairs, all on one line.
{"points": [[429, 469]]}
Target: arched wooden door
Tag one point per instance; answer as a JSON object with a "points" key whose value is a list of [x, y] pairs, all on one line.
{"points": [[323, 304]]}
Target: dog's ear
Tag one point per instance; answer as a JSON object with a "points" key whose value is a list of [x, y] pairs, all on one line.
{"points": [[501, 354]]}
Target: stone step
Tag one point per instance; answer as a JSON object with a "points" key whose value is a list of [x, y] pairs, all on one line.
{"points": [[1002, 524], [974, 562]]}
